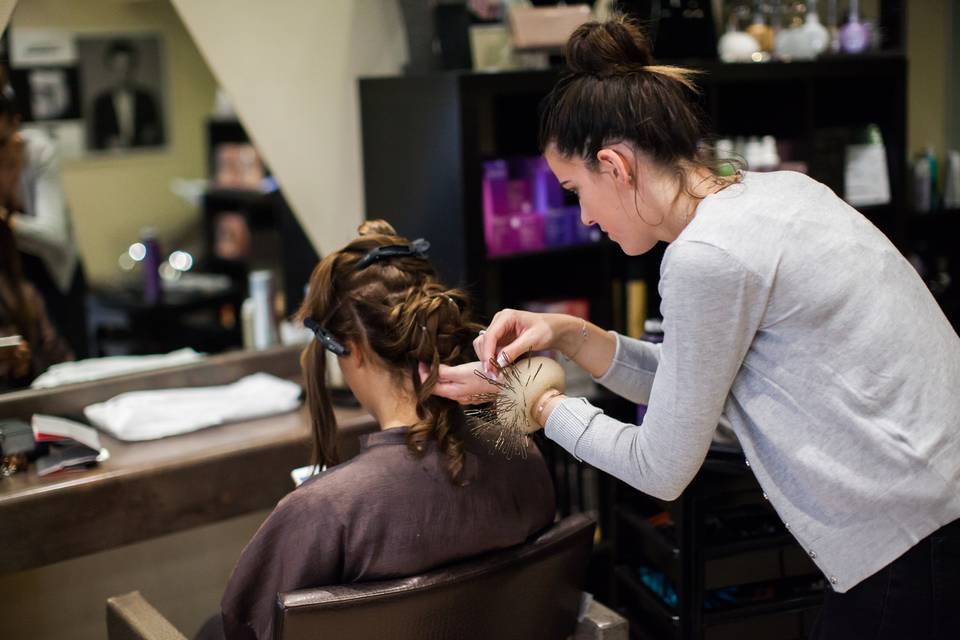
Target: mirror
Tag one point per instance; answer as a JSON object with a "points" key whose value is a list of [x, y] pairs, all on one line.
{"points": [[129, 189]]}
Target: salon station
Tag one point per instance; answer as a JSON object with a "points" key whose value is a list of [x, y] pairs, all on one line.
{"points": [[479, 319]]}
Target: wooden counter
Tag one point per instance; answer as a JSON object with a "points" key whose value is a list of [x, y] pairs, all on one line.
{"points": [[147, 489]]}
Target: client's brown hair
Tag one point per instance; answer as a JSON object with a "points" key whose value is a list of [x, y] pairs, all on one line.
{"points": [[400, 310]]}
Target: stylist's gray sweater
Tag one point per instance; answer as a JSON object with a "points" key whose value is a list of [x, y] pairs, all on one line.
{"points": [[786, 311]]}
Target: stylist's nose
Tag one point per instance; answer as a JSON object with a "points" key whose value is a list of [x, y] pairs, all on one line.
{"points": [[585, 219]]}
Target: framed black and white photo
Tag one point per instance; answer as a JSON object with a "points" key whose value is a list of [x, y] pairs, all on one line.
{"points": [[123, 97], [47, 93]]}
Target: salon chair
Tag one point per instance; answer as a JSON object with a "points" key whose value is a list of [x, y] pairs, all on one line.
{"points": [[532, 591]]}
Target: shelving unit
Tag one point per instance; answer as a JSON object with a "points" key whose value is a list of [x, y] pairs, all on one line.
{"points": [[424, 141], [696, 566]]}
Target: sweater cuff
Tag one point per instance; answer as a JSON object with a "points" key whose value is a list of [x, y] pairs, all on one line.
{"points": [[568, 421]]}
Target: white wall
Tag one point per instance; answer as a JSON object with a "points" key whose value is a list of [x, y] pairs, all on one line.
{"points": [[928, 33], [291, 69]]}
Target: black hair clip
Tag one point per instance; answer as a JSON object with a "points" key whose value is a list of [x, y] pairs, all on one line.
{"points": [[326, 338], [418, 248]]}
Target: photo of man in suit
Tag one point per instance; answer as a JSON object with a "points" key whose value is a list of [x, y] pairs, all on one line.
{"points": [[126, 113]]}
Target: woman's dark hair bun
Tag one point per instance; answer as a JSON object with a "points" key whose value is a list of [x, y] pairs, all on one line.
{"points": [[376, 227], [607, 48]]}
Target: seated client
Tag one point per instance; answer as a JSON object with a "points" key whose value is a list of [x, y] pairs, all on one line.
{"points": [[422, 492]]}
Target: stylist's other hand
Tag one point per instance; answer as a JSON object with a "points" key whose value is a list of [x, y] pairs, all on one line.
{"points": [[460, 383], [512, 333]]}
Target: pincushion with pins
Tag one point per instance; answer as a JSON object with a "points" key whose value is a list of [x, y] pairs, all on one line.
{"points": [[507, 417]]}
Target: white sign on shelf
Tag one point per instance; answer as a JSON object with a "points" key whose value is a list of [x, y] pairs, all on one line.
{"points": [[866, 180]]}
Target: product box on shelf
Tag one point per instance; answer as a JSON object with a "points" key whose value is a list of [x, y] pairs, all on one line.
{"points": [[525, 209], [560, 226], [514, 233]]}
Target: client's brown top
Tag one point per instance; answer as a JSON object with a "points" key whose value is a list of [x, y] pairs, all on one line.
{"points": [[384, 514]]}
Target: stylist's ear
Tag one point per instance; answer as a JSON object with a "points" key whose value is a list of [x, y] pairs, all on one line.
{"points": [[616, 165]]}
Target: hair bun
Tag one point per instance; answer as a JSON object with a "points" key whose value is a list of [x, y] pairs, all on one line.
{"points": [[376, 227], [605, 48]]}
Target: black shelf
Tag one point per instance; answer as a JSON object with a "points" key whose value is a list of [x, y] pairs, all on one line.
{"points": [[583, 250], [939, 221], [662, 617], [525, 81], [787, 605], [654, 611], [661, 551], [746, 546]]}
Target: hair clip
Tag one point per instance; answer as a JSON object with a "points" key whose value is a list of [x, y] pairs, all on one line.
{"points": [[326, 338], [418, 248]]}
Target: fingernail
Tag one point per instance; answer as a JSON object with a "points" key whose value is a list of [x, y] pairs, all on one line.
{"points": [[502, 359]]}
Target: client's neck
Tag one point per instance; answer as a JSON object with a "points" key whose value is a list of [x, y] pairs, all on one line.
{"points": [[396, 414], [391, 406]]}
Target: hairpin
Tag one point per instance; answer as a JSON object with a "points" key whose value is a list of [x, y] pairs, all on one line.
{"points": [[418, 248], [326, 338]]}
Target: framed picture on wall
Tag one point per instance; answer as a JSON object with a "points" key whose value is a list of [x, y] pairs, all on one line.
{"points": [[45, 80], [123, 96], [47, 93]]}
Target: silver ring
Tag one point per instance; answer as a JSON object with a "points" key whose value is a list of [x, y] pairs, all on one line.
{"points": [[482, 331]]}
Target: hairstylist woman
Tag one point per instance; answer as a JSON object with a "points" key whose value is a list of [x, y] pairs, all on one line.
{"points": [[785, 311]]}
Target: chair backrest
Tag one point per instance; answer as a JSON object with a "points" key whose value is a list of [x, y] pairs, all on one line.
{"points": [[527, 592]]}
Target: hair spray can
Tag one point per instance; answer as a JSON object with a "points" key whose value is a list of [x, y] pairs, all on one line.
{"points": [[264, 320]]}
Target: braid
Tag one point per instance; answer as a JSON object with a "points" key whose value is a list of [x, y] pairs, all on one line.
{"points": [[402, 312]]}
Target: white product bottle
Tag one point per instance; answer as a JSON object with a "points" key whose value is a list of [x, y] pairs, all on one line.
{"points": [[815, 35], [736, 45], [753, 154]]}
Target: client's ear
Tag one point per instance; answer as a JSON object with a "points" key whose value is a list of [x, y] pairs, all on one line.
{"points": [[357, 356]]}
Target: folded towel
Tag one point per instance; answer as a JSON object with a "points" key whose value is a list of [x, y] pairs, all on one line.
{"points": [[98, 368], [147, 415]]}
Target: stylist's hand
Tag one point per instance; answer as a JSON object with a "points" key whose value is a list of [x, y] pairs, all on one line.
{"points": [[512, 333], [460, 383]]}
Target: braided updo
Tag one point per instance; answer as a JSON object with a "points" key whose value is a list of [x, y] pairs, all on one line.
{"points": [[614, 92], [404, 315]]}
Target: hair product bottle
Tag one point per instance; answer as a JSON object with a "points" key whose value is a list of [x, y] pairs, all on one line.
{"points": [[854, 36]]}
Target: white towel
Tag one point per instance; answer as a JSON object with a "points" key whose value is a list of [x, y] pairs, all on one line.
{"points": [[98, 368], [147, 415]]}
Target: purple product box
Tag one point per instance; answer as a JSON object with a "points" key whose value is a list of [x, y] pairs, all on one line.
{"points": [[546, 192], [587, 234], [560, 226], [504, 195], [511, 234]]}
